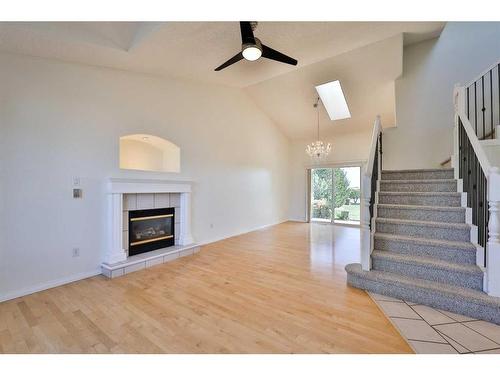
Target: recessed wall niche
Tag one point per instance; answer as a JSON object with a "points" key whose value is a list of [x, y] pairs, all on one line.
{"points": [[149, 153]]}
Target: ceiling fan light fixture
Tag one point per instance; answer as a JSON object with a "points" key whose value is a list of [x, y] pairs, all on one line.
{"points": [[252, 51]]}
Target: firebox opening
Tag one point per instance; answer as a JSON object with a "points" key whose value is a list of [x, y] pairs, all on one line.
{"points": [[151, 229]]}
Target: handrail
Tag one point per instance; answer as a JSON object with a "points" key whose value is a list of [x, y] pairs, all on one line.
{"points": [[369, 187], [377, 129], [491, 67], [478, 150], [444, 162], [459, 99]]}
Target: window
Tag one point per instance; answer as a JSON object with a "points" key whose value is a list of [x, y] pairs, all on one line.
{"points": [[333, 99]]}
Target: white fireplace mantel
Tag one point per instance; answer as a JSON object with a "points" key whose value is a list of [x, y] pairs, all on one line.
{"points": [[135, 185], [117, 187]]}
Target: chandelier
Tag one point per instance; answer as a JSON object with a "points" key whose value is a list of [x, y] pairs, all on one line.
{"points": [[318, 149]]}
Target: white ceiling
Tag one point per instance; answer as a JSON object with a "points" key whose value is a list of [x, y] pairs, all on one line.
{"points": [[192, 50]]}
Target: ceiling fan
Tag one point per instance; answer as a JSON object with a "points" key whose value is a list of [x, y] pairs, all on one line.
{"points": [[252, 49]]}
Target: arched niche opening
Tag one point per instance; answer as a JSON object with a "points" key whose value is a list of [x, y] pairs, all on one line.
{"points": [[149, 153]]}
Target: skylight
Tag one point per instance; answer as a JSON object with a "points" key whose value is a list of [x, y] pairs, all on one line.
{"points": [[333, 99]]}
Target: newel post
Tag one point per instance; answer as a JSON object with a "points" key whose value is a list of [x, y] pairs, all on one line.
{"points": [[493, 245], [459, 98], [454, 158], [459, 104], [365, 239]]}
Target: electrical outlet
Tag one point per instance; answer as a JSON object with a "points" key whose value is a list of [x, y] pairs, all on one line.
{"points": [[76, 181], [77, 193], [76, 252], [211, 226]]}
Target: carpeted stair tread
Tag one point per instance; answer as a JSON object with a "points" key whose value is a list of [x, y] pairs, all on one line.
{"points": [[456, 299], [427, 241], [417, 174], [417, 170], [476, 295], [422, 193], [418, 185], [424, 181], [424, 208], [462, 252], [420, 198], [428, 262], [431, 224]]}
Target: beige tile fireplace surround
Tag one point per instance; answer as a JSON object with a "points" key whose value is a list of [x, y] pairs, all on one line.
{"points": [[138, 194]]}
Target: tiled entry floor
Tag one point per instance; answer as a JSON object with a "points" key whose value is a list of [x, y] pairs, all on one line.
{"points": [[432, 331]]}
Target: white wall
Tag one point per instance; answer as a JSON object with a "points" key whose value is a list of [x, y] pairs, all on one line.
{"points": [[347, 149], [424, 105], [61, 120]]}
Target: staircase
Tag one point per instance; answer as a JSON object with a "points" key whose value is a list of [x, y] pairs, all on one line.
{"points": [[422, 250]]}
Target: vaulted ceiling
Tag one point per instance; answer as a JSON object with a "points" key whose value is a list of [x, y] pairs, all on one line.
{"points": [[367, 76], [365, 56]]}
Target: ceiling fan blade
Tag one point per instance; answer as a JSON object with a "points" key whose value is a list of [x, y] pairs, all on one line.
{"points": [[246, 32], [231, 61], [272, 54]]}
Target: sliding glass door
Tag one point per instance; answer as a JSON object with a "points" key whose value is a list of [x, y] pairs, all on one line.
{"points": [[321, 194], [335, 195]]}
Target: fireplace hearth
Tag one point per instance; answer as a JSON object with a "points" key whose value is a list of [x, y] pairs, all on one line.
{"points": [[151, 229]]}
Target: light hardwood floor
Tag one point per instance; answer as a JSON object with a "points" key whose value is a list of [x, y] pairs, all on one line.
{"points": [[278, 290]]}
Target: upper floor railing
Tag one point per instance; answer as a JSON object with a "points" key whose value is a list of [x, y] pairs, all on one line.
{"points": [[482, 102]]}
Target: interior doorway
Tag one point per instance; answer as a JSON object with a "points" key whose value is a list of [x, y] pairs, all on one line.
{"points": [[335, 195]]}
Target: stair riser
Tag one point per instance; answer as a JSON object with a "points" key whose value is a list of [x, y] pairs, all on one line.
{"points": [[431, 298], [415, 175], [453, 201], [423, 215], [428, 273], [439, 252], [423, 187], [449, 234]]}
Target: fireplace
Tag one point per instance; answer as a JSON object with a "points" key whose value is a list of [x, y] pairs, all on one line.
{"points": [[150, 229]]}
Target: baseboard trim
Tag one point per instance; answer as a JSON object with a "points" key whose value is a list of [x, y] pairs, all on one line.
{"points": [[86, 275], [49, 285], [217, 239], [336, 224]]}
